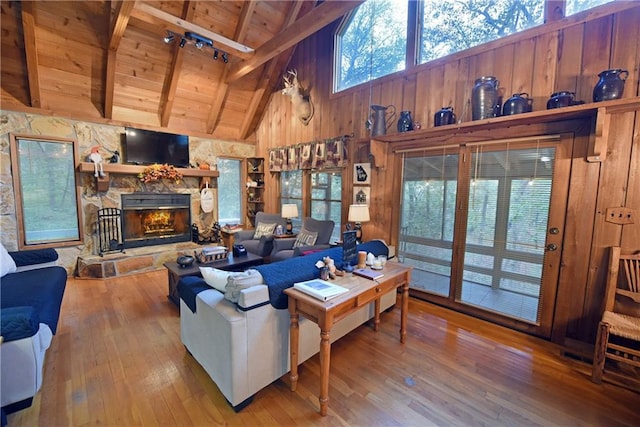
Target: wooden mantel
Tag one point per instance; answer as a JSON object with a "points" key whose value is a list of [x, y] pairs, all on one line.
{"points": [[118, 168]]}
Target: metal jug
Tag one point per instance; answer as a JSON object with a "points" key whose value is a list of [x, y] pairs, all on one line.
{"points": [[381, 119]]}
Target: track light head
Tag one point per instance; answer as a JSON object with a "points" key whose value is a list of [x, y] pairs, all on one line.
{"points": [[225, 57], [169, 37], [183, 41], [215, 54], [199, 44]]}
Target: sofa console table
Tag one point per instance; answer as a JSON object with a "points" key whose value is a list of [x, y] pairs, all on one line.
{"points": [[326, 313], [175, 272]]}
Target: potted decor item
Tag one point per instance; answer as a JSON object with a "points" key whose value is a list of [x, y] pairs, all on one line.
{"points": [[611, 85], [405, 123], [445, 116], [517, 104], [560, 99], [484, 98]]}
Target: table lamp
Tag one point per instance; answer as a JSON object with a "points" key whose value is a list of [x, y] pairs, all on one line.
{"points": [[358, 214], [289, 211]]}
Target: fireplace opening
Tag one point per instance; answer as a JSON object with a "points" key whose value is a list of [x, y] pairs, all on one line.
{"points": [[155, 219]]}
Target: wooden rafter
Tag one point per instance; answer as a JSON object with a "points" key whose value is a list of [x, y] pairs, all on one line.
{"points": [[270, 75], [31, 51], [309, 24], [123, 12], [222, 88], [171, 82]]}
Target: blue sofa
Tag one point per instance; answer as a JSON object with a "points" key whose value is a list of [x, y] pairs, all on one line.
{"points": [[31, 291]]}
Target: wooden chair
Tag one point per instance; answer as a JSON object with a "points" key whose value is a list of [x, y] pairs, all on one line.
{"points": [[621, 319]]}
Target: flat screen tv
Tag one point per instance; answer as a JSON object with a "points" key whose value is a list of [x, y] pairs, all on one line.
{"points": [[145, 147]]}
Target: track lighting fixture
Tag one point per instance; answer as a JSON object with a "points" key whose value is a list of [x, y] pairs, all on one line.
{"points": [[199, 42], [169, 37]]}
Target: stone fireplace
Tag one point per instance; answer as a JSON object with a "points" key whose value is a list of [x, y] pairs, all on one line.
{"points": [[155, 219]]}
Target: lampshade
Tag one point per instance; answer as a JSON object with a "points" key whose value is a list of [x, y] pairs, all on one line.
{"points": [[289, 211], [358, 213]]}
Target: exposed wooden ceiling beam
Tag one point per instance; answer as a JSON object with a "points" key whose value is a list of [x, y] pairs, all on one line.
{"points": [[309, 24], [123, 12], [270, 75], [223, 88], [178, 24], [171, 81], [31, 51]]}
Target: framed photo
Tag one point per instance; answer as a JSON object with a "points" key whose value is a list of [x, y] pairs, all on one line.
{"points": [[361, 195], [362, 174]]}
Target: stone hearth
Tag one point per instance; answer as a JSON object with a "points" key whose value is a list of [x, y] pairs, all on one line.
{"points": [[132, 261]]}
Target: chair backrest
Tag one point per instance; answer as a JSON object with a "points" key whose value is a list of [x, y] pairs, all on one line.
{"points": [[323, 228], [623, 280], [266, 218]]}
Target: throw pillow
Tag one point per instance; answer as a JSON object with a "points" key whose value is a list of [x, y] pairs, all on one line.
{"points": [[239, 281], [305, 238], [7, 264], [215, 278], [264, 230]]}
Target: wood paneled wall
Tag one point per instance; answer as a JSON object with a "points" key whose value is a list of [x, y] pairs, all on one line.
{"points": [[563, 55]]}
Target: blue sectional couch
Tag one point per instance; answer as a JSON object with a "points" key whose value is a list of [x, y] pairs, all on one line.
{"points": [[31, 291]]}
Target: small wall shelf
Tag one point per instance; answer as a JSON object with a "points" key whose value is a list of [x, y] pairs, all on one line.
{"points": [[119, 168]]}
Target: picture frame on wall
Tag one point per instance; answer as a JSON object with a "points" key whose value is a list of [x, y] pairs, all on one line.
{"points": [[361, 195], [362, 174]]}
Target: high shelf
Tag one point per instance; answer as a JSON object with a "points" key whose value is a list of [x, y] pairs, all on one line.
{"points": [[255, 188]]}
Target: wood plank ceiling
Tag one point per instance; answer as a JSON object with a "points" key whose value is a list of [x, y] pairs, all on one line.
{"points": [[107, 60]]}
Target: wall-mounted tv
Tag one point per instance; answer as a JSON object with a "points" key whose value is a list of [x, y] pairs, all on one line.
{"points": [[145, 147]]}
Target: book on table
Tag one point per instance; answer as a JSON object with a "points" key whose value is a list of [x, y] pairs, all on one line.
{"points": [[369, 274], [320, 289]]}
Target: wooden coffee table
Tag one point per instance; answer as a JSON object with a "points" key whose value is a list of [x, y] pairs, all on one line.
{"points": [[175, 272], [361, 292]]}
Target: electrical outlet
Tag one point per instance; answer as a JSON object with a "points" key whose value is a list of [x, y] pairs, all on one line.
{"points": [[620, 215]]}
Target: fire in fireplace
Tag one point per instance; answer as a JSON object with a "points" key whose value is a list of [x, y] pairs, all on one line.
{"points": [[155, 218]]}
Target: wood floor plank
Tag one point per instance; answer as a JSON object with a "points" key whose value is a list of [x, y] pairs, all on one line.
{"points": [[117, 360]]}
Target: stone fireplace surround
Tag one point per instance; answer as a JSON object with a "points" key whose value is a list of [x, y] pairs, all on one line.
{"points": [[83, 260]]}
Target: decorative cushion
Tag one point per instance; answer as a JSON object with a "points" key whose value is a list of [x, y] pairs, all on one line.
{"points": [[239, 281], [264, 230], [306, 238], [7, 264], [215, 278], [19, 322]]}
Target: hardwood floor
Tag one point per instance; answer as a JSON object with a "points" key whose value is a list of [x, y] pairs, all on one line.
{"points": [[117, 360]]}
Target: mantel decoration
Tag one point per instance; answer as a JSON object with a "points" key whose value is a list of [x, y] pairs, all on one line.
{"points": [[156, 172]]}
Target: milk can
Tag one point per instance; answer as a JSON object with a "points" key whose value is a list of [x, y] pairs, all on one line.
{"points": [[484, 98]]}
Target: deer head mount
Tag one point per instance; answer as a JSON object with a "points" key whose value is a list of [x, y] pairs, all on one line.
{"points": [[302, 105]]}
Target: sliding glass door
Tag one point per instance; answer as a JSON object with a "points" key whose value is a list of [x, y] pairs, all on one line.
{"points": [[482, 227]]}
